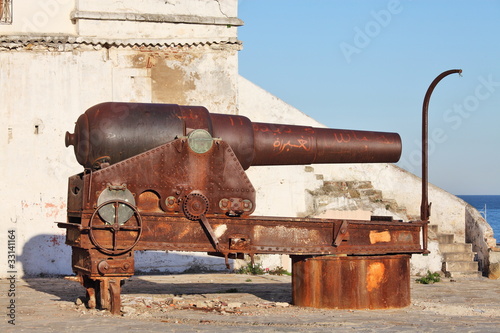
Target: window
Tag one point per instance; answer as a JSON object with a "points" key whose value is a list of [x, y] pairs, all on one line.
{"points": [[5, 11]]}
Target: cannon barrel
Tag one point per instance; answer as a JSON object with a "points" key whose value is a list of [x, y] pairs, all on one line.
{"points": [[116, 131]]}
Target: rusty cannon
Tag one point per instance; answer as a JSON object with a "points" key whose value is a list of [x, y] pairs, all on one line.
{"points": [[170, 177], [111, 132]]}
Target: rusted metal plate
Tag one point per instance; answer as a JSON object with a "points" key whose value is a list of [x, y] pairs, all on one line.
{"points": [[261, 235], [95, 264], [351, 282], [165, 176]]}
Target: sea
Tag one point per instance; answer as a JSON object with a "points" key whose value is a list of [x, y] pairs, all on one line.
{"points": [[489, 207]]}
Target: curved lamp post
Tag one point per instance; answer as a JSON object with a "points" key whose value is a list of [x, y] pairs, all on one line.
{"points": [[425, 206]]}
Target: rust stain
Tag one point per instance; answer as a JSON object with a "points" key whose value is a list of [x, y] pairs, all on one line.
{"points": [[301, 236], [375, 276], [171, 78], [149, 201], [405, 237], [144, 59], [380, 236], [170, 83], [53, 209], [55, 241], [184, 233]]}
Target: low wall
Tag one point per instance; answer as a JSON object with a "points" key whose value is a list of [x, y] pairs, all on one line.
{"points": [[480, 234]]}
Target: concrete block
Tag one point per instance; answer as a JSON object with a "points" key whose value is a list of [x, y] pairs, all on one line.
{"points": [[458, 256], [445, 238], [461, 266], [455, 247]]}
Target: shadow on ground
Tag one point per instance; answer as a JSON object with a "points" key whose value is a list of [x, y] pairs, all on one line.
{"points": [[45, 257], [267, 288]]}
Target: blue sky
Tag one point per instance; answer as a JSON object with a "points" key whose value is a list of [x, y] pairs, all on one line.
{"points": [[367, 64]]}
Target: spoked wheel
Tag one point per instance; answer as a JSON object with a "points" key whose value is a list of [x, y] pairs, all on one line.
{"points": [[116, 226]]}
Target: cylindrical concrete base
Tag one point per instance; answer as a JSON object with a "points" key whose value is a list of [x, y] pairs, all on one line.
{"points": [[351, 282]]}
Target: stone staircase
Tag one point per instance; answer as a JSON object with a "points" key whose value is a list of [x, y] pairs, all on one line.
{"points": [[458, 258]]}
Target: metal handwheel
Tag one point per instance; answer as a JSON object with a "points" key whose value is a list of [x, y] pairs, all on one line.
{"points": [[115, 227]]}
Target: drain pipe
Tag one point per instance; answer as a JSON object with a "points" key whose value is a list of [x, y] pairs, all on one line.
{"points": [[425, 207]]}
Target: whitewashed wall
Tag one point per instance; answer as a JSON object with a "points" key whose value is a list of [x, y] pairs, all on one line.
{"points": [[42, 95], [125, 18], [139, 19]]}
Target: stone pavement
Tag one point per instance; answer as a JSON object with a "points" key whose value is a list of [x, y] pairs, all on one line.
{"points": [[243, 303]]}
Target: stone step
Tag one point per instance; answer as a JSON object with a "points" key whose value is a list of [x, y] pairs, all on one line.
{"points": [[455, 247], [458, 256], [464, 274], [445, 238], [362, 193], [401, 211], [460, 266], [370, 193], [391, 203], [434, 228], [360, 184]]}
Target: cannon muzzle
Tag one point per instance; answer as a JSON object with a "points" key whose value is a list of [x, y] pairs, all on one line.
{"points": [[113, 132]]}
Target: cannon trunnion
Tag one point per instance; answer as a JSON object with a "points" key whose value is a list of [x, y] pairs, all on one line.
{"points": [[169, 177]]}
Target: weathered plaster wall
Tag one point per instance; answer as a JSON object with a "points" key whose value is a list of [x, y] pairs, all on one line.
{"points": [[202, 8], [140, 19], [261, 106], [202, 75], [43, 93], [480, 234], [135, 19]]}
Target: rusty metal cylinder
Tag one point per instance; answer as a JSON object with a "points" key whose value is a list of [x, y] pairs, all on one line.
{"points": [[289, 144], [111, 132], [116, 131], [351, 282]]}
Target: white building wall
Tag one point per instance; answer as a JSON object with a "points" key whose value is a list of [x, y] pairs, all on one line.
{"points": [[124, 18], [202, 8], [155, 19]]}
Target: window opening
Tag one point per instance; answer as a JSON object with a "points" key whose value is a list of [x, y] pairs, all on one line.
{"points": [[5, 11]]}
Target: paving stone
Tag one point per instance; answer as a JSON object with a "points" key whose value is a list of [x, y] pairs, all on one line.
{"points": [[471, 304]]}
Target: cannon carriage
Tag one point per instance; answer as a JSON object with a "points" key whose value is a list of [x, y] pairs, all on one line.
{"points": [[170, 177]]}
